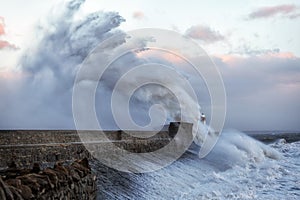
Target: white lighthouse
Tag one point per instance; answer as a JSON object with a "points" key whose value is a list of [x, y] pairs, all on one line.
{"points": [[203, 118]]}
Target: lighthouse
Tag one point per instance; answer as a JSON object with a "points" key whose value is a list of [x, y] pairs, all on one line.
{"points": [[203, 118]]}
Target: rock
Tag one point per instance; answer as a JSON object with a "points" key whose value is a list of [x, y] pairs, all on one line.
{"points": [[16, 193], [80, 168], [13, 182], [12, 165], [74, 181], [84, 162], [25, 192], [63, 174], [59, 167], [52, 176], [30, 182], [74, 174], [36, 168], [5, 188], [2, 193], [42, 180]]}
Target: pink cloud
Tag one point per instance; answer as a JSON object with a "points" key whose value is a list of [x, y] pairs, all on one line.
{"points": [[167, 56], [235, 59], [270, 11], [286, 55], [204, 33], [138, 15], [6, 45], [12, 75], [3, 43], [227, 58], [2, 31]]}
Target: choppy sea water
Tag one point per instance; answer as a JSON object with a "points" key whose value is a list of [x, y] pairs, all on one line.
{"points": [[215, 177]]}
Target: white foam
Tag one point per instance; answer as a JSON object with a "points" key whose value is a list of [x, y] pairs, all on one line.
{"points": [[236, 148]]}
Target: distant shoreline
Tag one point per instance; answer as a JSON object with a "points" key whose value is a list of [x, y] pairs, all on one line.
{"points": [[272, 137], [264, 136]]}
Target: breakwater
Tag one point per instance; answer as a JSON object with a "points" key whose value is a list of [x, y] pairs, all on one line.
{"points": [[25, 147]]}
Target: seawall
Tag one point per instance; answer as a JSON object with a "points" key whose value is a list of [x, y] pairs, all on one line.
{"points": [[25, 147]]}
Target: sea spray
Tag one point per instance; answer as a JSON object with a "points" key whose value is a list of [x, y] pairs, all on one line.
{"points": [[236, 148], [48, 67]]}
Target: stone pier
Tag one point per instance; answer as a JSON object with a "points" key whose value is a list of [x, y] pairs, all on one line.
{"points": [[25, 147]]}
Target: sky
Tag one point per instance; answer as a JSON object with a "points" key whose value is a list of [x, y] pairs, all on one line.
{"points": [[255, 45]]}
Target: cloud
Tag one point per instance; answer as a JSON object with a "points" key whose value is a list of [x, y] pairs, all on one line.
{"points": [[294, 16], [286, 10], [246, 49], [204, 33], [138, 15], [5, 45], [233, 59], [7, 74], [262, 90], [8, 46], [2, 31]]}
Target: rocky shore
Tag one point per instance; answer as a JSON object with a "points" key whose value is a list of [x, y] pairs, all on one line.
{"points": [[62, 181]]}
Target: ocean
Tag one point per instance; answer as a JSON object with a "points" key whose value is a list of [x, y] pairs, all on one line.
{"points": [[234, 170]]}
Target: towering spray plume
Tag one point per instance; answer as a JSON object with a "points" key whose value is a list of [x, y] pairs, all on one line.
{"points": [[42, 98]]}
